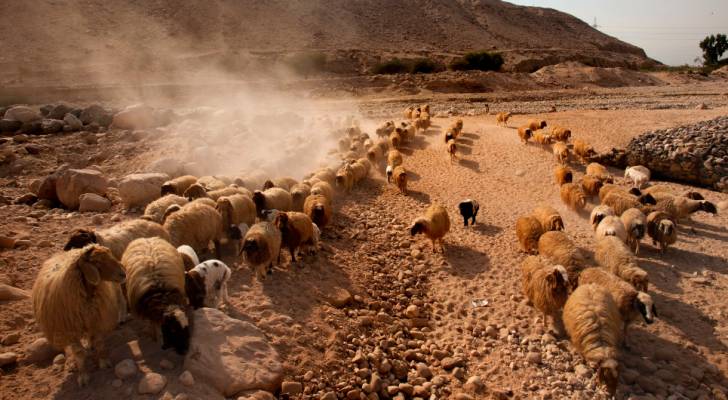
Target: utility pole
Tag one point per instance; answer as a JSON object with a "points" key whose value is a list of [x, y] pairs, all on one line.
{"points": [[594, 25]]}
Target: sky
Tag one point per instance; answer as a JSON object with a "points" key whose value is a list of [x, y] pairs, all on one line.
{"points": [[668, 30]]}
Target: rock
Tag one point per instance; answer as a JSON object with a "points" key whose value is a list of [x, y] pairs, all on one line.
{"points": [[452, 362], [7, 125], [170, 166], [701, 106], [231, 355], [95, 114], [186, 378], [50, 126], [59, 359], [474, 384], [39, 352], [22, 114], [152, 383], [424, 371], [31, 128], [328, 396], [138, 190], [8, 358], [412, 311], [463, 396], [47, 189], [166, 364], [582, 371], [27, 199], [72, 122], [33, 149], [291, 388], [533, 358], [138, 116], [125, 369], [10, 339], [91, 202], [72, 183], [11, 293], [339, 297]]}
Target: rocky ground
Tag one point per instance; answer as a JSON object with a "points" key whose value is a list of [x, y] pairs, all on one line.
{"points": [[376, 314]]}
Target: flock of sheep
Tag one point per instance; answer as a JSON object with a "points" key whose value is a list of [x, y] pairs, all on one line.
{"points": [[596, 304]]}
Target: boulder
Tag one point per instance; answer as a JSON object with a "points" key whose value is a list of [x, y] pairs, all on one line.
{"points": [[141, 189], [170, 166], [50, 126], [8, 358], [40, 351], [59, 111], [47, 189], [91, 202], [72, 183], [23, 114], [152, 383], [7, 125], [231, 355], [32, 128], [72, 122], [95, 114], [138, 116]]}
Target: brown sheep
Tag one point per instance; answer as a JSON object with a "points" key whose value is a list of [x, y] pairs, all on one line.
{"points": [[318, 208], [525, 133], [535, 125], [563, 175], [661, 228], [542, 138], [528, 231], [557, 247], [435, 224], [591, 185], [549, 218], [583, 150], [452, 150], [612, 254], [395, 138], [573, 196], [399, 175], [178, 185], [502, 118], [296, 230], [560, 134], [547, 287], [561, 153]]}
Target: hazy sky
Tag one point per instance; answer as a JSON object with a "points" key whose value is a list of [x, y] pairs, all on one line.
{"points": [[668, 30]]}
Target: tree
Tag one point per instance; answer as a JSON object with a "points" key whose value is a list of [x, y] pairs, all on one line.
{"points": [[713, 47]]}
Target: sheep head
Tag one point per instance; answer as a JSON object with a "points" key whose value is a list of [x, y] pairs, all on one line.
{"points": [[268, 184], [79, 239], [259, 201], [646, 306], [98, 264], [195, 191], [418, 226], [167, 188], [666, 228], [557, 224], [635, 192], [175, 330], [639, 280], [195, 289], [647, 199], [558, 280], [170, 210], [708, 207], [608, 375], [281, 221], [694, 196]]}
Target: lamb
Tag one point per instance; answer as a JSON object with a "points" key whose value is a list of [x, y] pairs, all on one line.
{"points": [[399, 176], [318, 208], [155, 210], [593, 323], [639, 175], [591, 185], [598, 214], [547, 287], [549, 218], [296, 230], [196, 225], [561, 153], [563, 175], [345, 178], [435, 224], [573, 196], [299, 192], [611, 226], [117, 237], [621, 202], [557, 247], [206, 284], [236, 210], [155, 290], [630, 302], [535, 125], [525, 133], [661, 229], [502, 118], [178, 185], [76, 297], [322, 189], [583, 150], [469, 210], [452, 149], [528, 231], [560, 134], [189, 256], [599, 171], [635, 223], [612, 254], [273, 198], [542, 138], [261, 246]]}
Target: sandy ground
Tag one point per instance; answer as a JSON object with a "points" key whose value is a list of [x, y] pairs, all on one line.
{"points": [[369, 252]]}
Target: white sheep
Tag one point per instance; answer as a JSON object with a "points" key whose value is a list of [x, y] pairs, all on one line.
{"points": [[598, 214], [206, 284], [611, 226], [638, 175]]}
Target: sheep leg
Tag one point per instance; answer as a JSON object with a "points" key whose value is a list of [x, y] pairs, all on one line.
{"points": [[465, 219], [101, 352], [79, 355], [218, 249], [225, 296], [292, 250]]}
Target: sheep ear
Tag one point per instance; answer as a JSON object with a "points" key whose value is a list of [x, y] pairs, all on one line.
{"points": [[88, 270]]}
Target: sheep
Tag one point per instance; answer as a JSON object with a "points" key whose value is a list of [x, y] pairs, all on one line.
{"points": [[528, 231], [213, 182], [318, 208], [326, 174], [583, 150], [563, 174], [469, 210], [630, 302], [593, 323], [680, 207], [360, 169], [591, 185], [374, 153], [525, 133], [261, 246], [299, 192], [661, 228], [312, 246], [395, 138], [189, 256], [611, 225], [558, 248], [76, 297], [117, 237], [599, 171], [612, 254], [273, 198], [399, 176], [542, 138], [609, 188], [598, 213], [155, 290], [322, 189], [235, 210], [621, 202], [394, 158], [639, 175], [196, 225], [408, 132], [296, 230], [502, 118], [635, 223], [561, 153], [560, 134], [178, 185], [195, 191], [345, 178], [408, 112], [423, 122], [284, 182], [535, 125], [435, 224], [549, 218], [547, 287], [385, 129], [452, 149], [155, 210], [206, 284], [573, 196]]}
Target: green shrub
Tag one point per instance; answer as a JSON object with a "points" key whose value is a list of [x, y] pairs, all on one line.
{"points": [[394, 66], [481, 61], [425, 66]]}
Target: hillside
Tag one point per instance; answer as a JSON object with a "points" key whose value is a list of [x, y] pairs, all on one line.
{"points": [[91, 41]]}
